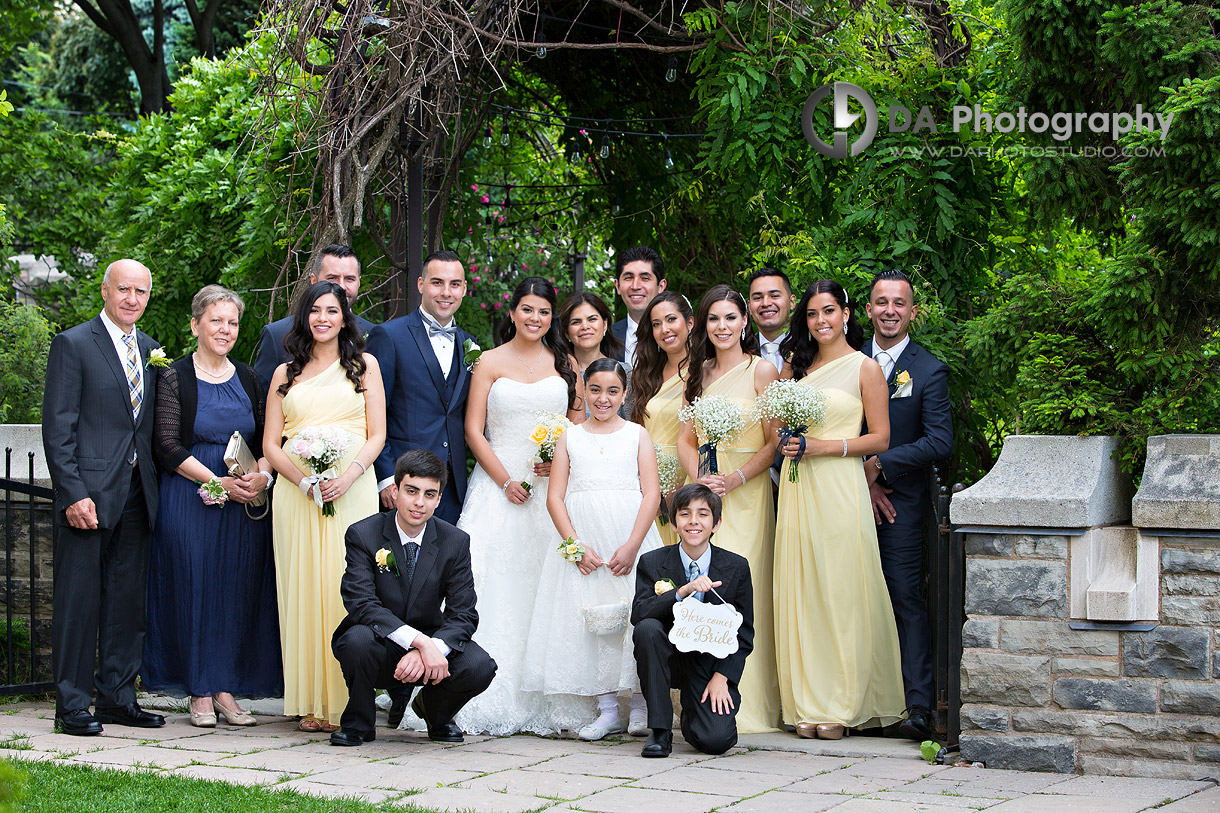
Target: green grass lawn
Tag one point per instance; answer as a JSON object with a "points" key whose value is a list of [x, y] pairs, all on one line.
{"points": [[58, 788]]}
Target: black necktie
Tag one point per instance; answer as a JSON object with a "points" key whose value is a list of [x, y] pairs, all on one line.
{"points": [[412, 554]]}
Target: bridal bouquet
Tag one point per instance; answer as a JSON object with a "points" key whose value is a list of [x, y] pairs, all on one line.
{"points": [[321, 447], [798, 408], [545, 435], [671, 477], [714, 419]]}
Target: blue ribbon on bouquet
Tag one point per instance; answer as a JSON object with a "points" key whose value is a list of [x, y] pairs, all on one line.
{"points": [[707, 454], [787, 434]]}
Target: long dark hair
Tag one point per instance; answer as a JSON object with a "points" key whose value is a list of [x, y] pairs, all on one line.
{"points": [[800, 344], [299, 341], [611, 347], [650, 359], [553, 339], [701, 347]]}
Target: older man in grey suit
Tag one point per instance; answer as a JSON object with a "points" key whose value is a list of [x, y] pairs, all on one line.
{"points": [[97, 429]]}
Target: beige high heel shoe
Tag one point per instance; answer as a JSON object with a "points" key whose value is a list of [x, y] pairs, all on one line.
{"points": [[237, 717], [202, 719], [831, 731]]}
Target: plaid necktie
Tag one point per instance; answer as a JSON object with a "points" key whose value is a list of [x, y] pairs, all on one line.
{"points": [[133, 374]]}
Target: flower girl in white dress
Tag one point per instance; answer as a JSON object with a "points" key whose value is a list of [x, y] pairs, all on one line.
{"points": [[604, 493]]}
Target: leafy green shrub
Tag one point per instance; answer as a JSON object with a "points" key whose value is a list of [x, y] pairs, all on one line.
{"points": [[23, 361]]}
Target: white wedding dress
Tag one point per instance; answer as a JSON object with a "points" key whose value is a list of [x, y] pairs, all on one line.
{"points": [[508, 544]]}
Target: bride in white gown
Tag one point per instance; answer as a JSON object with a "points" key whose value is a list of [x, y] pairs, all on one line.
{"points": [[510, 530]]}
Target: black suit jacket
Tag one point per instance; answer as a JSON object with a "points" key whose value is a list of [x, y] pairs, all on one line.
{"points": [[382, 601], [271, 352], [921, 431], [422, 410], [620, 331], [88, 431], [737, 589]]}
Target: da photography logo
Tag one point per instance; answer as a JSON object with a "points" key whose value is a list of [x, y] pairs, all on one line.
{"points": [[843, 118]]}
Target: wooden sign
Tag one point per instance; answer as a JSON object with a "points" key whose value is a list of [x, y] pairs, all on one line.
{"points": [[702, 627]]}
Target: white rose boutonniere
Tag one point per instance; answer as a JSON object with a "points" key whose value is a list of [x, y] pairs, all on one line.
{"points": [[385, 561], [470, 353], [903, 385], [157, 358], [663, 586]]}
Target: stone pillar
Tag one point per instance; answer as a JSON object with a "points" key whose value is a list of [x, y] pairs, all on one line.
{"points": [[1064, 667]]}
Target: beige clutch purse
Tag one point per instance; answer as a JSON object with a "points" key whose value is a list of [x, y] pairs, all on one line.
{"points": [[241, 462]]}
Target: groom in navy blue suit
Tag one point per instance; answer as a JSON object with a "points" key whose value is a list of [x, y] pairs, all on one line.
{"points": [[426, 377], [921, 433]]}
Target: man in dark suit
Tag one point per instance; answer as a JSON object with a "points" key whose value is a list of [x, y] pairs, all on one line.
{"points": [[708, 684], [639, 275], [921, 432], [426, 378], [410, 599], [335, 263], [97, 430]]}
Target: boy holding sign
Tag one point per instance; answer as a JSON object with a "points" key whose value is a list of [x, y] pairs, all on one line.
{"points": [[708, 683]]}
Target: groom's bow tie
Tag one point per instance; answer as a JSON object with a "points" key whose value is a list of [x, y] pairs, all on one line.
{"points": [[436, 330]]}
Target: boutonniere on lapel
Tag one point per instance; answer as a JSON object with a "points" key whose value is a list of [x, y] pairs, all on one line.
{"points": [[157, 358], [902, 385], [386, 563], [663, 586], [470, 353]]}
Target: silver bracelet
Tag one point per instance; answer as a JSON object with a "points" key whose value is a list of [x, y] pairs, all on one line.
{"points": [[742, 476], [845, 447], [504, 487], [363, 470]]}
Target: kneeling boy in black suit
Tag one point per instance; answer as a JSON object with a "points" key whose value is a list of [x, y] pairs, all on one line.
{"points": [[665, 577], [401, 567]]}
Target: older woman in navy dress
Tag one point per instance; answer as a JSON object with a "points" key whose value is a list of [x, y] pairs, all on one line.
{"points": [[213, 628]]}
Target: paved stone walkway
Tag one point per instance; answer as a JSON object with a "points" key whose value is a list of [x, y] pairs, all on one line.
{"points": [[767, 773]]}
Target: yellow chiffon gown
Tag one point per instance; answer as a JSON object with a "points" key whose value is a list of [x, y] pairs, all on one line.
{"points": [[309, 549], [662, 425], [748, 529], [836, 639]]}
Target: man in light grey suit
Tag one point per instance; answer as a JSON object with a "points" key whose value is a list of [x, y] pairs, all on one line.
{"points": [[97, 425]]}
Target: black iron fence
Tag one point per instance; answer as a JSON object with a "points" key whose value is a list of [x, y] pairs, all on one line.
{"points": [[946, 609], [28, 531]]}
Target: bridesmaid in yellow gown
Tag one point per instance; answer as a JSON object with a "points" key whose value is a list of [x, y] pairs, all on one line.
{"points": [[837, 643], [318, 388], [661, 351], [724, 361]]}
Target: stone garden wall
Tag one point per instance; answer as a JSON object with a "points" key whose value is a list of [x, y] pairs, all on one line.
{"points": [[1092, 644]]}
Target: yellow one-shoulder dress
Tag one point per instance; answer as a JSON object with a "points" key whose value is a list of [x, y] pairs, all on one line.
{"points": [[836, 639], [309, 548], [748, 529], [662, 425]]}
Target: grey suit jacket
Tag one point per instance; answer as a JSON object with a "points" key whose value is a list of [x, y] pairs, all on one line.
{"points": [[88, 431]]}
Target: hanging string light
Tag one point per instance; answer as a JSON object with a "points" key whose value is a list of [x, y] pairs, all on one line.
{"points": [[541, 52], [487, 138], [504, 138], [671, 75], [605, 150]]}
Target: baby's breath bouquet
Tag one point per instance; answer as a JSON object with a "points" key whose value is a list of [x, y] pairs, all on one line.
{"points": [[545, 435], [798, 408], [714, 419], [670, 473]]}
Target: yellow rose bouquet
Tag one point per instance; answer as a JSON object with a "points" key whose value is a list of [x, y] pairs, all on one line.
{"points": [[544, 436]]}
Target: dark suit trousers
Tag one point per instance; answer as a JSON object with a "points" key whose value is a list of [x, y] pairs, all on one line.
{"points": [[662, 667], [98, 606], [368, 664], [450, 507], [901, 549]]}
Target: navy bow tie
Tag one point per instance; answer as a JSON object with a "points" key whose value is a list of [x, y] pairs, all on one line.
{"points": [[436, 330]]}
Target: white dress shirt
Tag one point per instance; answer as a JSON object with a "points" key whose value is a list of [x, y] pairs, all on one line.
{"points": [[704, 562], [629, 356], [770, 349], [120, 347], [887, 364], [442, 345], [405, 635]]}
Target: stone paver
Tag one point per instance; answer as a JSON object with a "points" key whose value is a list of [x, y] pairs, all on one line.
{"points": [[766, 773]]}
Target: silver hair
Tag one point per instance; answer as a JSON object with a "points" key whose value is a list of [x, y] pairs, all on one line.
{"points": [[211, 294]]}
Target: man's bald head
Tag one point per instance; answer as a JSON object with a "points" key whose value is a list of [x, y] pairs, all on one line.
{"points": [[126, 285]]}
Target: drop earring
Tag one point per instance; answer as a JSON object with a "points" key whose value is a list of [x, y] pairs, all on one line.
{"points": [[744, 331], [844, 328]]}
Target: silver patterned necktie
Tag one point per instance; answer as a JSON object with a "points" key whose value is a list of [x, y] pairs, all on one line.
{"points": [[887, 363]]}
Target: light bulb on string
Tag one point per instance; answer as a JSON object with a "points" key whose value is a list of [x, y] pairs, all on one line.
{"points": [[575, 159], [669, 159], [671, 75], [504, 139], [487, 137], [605, 150], [541, 52]]}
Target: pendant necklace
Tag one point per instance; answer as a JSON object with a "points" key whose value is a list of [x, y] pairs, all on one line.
{"points": [[529, 367]]}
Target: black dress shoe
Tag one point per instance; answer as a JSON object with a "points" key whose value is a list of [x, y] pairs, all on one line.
{"points": [[444, 732], [918, 725], [130, 715], [659, 743], [346, 736], [78, 723], [398, 707]]}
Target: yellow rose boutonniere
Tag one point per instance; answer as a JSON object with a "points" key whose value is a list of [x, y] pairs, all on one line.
{"points": [[902, 384], [663, 586], [385, 561]]}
